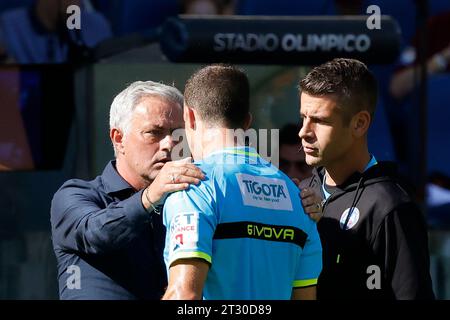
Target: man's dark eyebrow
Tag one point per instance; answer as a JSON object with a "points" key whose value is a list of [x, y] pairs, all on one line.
{"points": [[320, 118], [156, 127]]}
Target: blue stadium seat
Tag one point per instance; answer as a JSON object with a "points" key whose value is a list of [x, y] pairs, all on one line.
{"points": [[101, 5], [438, 6], [12, 4], [129, 16], [404, 11], [380, 139], [285, 7], [438, 139]]}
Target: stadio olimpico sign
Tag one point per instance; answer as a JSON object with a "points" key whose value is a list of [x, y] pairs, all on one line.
{"points": [[279, 40], [269, 42]]}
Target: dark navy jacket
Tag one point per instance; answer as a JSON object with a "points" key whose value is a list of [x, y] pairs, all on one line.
{"points": [[102, 228]]}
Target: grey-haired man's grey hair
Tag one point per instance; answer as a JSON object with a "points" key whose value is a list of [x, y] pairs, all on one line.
{"points": [[125, 102]]}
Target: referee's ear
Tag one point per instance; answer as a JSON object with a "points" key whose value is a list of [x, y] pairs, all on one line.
{"points": [[248, 121], [360, 123], [189, 117]]}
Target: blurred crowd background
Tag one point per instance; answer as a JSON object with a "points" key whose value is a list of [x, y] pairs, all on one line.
{"points": [[57, 84]]}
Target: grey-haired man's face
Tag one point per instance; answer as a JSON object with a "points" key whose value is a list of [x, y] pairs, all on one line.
{"points": [[148, 141]]}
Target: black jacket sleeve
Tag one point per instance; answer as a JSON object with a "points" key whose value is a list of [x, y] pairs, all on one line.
{"points": [[402, 243], [80, 221]]}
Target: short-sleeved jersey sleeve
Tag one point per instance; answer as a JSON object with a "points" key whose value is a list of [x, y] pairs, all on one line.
{"points": [[190, 221], [310, 264]]}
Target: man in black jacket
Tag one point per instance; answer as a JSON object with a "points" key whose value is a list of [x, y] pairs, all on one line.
{"points": [[107, 233], [374, 237]]}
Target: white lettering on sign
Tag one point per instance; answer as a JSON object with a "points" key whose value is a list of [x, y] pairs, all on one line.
{"points": [[289, 42]]}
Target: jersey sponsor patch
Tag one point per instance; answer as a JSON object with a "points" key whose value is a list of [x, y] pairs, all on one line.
{"points": [[352, 220], [184, 231], [268, 193]]}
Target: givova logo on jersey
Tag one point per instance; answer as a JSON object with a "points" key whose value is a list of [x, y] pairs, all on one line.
{"points": [[269, 193]]}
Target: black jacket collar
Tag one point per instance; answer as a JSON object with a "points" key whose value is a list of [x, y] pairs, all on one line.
{"points": [[113, 181], [384, 170]]}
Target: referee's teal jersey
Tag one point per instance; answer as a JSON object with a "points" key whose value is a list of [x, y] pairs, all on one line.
{"points": [[247, 222]]}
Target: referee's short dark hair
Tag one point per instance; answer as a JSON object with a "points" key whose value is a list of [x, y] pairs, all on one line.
{"points": [[349, 80], [220, 94]]}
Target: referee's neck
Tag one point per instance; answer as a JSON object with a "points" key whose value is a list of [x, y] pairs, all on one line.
{"points": [[214, 139]]}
